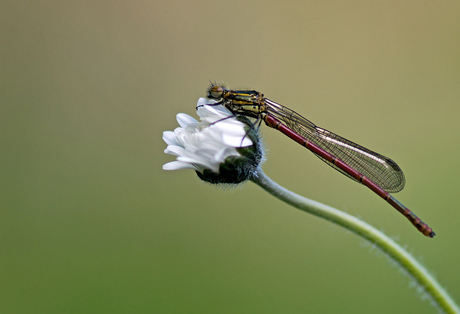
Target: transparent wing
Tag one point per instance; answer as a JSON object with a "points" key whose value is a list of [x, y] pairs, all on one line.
{"points": [[378, 168]]}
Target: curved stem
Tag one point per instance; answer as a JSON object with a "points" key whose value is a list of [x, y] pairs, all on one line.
{"points": [[368, 232]]}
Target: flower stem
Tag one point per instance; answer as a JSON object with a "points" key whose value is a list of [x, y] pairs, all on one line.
{"points": [[406, 261]]}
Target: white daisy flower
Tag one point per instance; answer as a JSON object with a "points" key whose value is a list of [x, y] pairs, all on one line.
{"points": [[220, 148]]}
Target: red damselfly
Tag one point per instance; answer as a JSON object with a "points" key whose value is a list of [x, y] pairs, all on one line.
{"points": [[379, 173]]}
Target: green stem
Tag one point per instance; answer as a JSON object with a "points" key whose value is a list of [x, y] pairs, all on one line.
{"points": [[368, 232]]}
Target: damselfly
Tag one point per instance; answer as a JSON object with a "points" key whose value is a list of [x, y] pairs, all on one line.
{"points": [[379, 173]]}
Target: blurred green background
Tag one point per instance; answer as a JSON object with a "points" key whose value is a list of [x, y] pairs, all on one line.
{"points": [[89, 221]]}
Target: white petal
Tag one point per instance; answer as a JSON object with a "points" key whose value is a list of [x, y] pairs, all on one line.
{"points": [[210, 146], [214, 112], [211, 114], [225, 152], [174, 150], [223, 110], [206, 164], [176, 165], [188, 159], [231, 126], [236, 141], [184, 119], [204, 101], [247, 142], [169, 137], [205, 157], [200, 156]]}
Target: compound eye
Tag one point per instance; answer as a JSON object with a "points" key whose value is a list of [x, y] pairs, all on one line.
{"points": [[215, 92]]}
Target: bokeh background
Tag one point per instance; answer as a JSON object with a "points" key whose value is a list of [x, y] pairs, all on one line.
{"points": [[89, 221]]}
